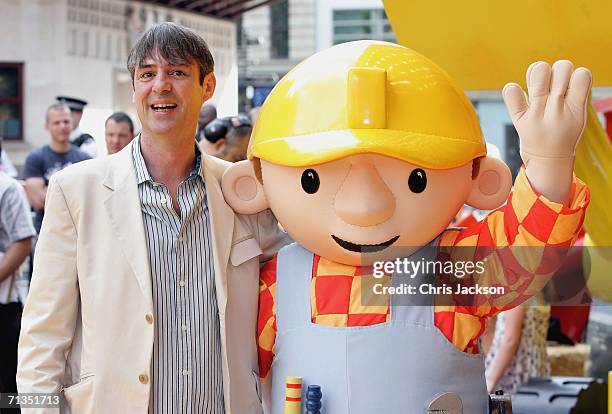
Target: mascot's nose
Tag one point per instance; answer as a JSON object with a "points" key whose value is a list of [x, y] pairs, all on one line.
{"points": [[364, 199]]}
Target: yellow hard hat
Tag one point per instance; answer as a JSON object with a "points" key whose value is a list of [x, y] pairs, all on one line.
{"points": [[367, 97]]}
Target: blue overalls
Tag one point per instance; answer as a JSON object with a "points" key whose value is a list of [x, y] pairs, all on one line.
{"points": [[391, 368]]}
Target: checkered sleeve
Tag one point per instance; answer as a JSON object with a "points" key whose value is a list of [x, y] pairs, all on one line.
{"points": [[521, 244], [266, 318]]}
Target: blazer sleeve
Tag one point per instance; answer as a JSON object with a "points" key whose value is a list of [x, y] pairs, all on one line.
{"points": [[269, 234], [50, 313]]}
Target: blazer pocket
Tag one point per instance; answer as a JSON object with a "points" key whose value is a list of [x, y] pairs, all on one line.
{"points": [[244, 250], [80, 396]]}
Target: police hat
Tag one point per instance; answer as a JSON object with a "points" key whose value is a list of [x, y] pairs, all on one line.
{"points": [[75, 104]]}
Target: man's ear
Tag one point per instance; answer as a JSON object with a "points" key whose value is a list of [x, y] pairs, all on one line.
{"points": [[210, 83], [241, 189], [491, 186]]}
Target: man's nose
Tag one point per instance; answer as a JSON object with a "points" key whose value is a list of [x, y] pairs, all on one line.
{"points": [[161, 83], [364, 198]]}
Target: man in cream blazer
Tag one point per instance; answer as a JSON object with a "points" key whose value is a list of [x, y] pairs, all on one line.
{"points": [[89, 322], [86, 329]]}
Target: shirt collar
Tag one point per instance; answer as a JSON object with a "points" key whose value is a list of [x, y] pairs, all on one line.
{"points": [[142, 173]]}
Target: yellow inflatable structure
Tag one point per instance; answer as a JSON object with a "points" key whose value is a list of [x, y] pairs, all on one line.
{"points": [[594, 166], [485, 44]]}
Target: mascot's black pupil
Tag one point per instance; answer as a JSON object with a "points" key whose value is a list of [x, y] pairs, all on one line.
{"points": [[417, 181], [310, 181]]}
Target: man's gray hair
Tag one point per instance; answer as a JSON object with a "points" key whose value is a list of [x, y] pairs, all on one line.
{"points": [[177, 44], [58, 107]]}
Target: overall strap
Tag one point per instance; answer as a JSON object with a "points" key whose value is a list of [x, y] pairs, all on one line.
{"points": [[293, 278], [416, 308]]}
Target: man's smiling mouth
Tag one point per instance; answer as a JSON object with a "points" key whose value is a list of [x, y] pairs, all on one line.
{"points": [[364, 248], [163, 107]]}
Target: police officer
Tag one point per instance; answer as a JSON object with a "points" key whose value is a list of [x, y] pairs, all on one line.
{"points": [[79, 138]]}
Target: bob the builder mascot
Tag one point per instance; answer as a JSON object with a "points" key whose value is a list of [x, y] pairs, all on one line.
{"points": [[365, 152]]}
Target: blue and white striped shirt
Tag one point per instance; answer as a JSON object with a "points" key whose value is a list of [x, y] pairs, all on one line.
{"points": [[186, 374]]}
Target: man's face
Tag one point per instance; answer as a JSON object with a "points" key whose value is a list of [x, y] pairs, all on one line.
{"points": [[386, 205], [59, 125], [117, 135], [168, 96], [236, 149], [206, 116], [231, 148]]}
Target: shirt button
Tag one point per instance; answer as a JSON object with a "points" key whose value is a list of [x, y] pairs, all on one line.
{"points": [[184, 328], [149, 318], [181, 283], [143, 379], [185, 372]]}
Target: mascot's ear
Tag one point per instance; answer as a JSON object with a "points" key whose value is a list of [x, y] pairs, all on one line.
{"points": [[490, 188], [242, 190]]}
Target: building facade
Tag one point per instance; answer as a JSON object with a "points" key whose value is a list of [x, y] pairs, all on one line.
{"points": [[344, 21], [79, 48], [274, 38]]}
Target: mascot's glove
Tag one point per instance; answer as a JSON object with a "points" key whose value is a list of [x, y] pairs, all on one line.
{"points": [[551, 119]]}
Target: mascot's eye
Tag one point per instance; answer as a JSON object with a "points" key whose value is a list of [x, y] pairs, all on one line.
{"points": [[310, 181], [417, 181]]}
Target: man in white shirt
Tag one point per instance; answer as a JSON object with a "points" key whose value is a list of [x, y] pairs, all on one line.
{"points": [[16, 232]]}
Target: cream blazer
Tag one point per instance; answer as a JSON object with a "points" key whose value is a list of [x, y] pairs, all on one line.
{"points": [[87, 328]]}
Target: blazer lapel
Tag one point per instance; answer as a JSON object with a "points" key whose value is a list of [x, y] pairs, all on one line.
{"points": [[222, 223], [123, 208]]}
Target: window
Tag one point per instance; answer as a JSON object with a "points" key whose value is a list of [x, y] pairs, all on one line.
{"points": [[354, 30], [342, 15], [358, 24], [239, 32], [279, 27], [72, 50], [11, 101], [85, 44]]}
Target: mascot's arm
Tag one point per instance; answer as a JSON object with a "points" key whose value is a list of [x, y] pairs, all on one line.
{"points": [[521, 244]]}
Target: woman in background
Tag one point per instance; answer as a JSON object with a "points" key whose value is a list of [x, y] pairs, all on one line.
{"points": [[518, 351]]}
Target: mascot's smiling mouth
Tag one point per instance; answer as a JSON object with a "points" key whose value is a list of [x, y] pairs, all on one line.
{"points": [[364, 248]]}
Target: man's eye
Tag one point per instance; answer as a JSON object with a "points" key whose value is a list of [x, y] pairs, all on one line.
{"points": [[146, 75], [178, 73]]}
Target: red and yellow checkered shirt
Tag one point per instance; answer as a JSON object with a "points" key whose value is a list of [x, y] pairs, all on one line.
{"points": [[527, 219]]}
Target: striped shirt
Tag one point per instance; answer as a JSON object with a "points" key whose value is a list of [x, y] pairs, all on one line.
{"points": [[186, 375]]}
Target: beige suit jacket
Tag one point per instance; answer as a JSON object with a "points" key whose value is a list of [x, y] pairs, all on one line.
{"points": [[87, 328]]}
